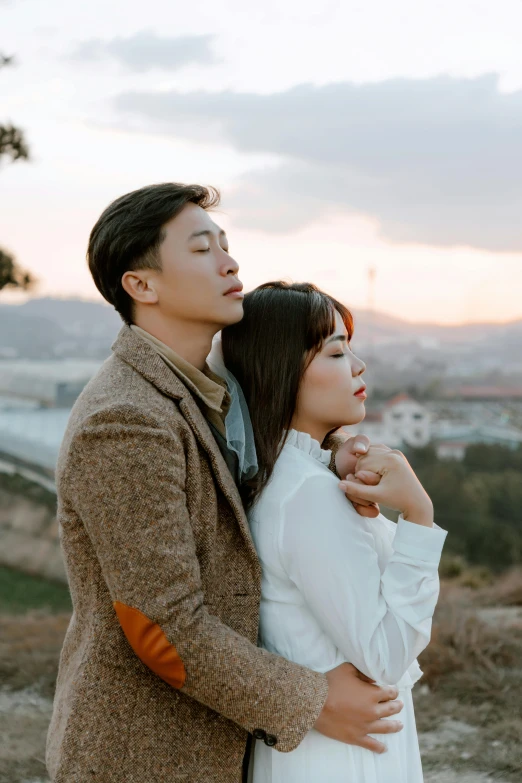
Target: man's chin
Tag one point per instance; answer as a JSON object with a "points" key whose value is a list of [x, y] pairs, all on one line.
{"points": [[234, 315]]}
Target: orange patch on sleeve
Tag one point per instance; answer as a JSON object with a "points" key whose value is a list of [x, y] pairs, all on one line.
{"points": [[151, 645]]}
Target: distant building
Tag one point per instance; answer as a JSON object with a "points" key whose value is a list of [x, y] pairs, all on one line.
{"points": [[408, 420], [401, 422], [460, 423], [452, 442], [47, 383], [493, 393]]}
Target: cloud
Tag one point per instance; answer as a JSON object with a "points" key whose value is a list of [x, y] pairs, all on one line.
{"points": [[146, 50], [435, 161]]}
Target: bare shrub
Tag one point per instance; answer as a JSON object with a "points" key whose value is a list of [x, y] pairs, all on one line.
{"points": [[507, 590], [462, 643]]}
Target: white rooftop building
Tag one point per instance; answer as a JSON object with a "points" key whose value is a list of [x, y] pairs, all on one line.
{"points": [[402, 421]]}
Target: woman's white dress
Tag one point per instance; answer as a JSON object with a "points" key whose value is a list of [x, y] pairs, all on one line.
{"points": [[338, 587]]}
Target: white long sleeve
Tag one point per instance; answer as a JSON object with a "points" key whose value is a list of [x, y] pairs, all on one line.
{"points": [[378, 615]]}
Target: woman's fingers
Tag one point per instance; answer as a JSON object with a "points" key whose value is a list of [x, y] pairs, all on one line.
{"points": [[377, 461], [354, 498], [360, 491], [365, 508], [367, 477], [358, 444]]}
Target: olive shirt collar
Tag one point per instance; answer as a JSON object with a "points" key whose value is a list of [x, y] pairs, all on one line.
{"points": [[206, 386]]}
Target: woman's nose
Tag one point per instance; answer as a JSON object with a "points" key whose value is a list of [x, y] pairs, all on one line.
{"points": [[358, 367]]}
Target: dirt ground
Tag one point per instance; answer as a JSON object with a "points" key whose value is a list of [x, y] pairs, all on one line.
{"points": [[468, 732]]}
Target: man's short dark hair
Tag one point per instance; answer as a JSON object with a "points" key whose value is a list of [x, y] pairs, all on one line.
{"points": [[128, 234]]}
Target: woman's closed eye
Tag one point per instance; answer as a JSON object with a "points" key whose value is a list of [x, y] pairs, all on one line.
{"points": [[343, 353]]}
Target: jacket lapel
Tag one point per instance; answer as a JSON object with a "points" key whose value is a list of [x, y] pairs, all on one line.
{"points": [[203, 433], [144, 359]]}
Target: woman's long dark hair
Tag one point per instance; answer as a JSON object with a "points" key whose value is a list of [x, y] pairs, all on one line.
{"points": [[283, 328]]}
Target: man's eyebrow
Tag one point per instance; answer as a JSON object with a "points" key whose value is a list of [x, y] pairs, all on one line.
{"points": [[341, 337], [206, 233]]}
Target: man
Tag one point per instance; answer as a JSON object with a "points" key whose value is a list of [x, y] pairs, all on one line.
{"points": [[160, 678]]}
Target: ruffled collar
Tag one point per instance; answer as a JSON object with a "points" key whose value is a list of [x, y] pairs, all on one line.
{"points": [[304, 442]]}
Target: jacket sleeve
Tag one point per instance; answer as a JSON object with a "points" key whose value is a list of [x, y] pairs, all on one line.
{"points": [[126, 478], [333, 442], [379, 620]]}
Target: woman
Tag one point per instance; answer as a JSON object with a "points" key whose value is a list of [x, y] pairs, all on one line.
{"points": [[337, 587]]}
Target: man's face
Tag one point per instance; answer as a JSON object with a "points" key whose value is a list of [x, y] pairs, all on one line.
{"points": [[197, 271]]}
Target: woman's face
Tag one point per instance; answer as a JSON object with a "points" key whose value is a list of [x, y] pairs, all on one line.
{"points": [[332, 390]]}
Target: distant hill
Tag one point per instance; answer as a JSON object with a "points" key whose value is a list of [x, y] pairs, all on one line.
{"points": [[383, 325], [73, 315], [50, 328], [31, 337]]}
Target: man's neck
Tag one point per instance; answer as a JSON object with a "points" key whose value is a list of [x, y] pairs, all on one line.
{"points": [[191, 341]]}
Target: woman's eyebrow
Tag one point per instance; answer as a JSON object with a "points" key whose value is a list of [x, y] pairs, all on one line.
{"points": [[341, 337]]}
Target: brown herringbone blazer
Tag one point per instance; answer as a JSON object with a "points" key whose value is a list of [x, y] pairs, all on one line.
{"points": [[160, 679]]}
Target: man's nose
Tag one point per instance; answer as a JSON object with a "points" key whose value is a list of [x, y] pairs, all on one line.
{"points": [[230, 267]]}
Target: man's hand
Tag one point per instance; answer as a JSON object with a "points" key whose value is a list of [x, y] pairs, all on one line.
{"points": [[345, 463], [355, 708]]}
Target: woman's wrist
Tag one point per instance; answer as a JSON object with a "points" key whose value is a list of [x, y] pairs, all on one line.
{"points": [[420, 515]]}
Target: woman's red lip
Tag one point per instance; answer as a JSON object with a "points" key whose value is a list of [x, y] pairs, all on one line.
{"points": [[361, 393]]}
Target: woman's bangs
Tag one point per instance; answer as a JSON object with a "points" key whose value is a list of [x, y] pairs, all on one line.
{"points": [[322, 321], [346, 316]]}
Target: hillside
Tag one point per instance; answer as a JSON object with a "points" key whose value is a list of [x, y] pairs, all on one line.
{"points": [[48, 327]]}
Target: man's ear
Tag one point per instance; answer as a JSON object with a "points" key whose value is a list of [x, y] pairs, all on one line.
{"points": [[140, 286]]}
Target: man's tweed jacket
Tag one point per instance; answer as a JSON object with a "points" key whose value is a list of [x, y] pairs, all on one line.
{"points": [[160, 679]]}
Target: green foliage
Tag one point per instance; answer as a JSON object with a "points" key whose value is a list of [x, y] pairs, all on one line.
{"points": [[451, 566], [13, 146], [492, 459], [18, 485], [11, 275], [479, 502], [12, 143], [20, 593]]}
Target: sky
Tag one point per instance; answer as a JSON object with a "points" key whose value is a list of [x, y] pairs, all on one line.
{"points": [[344, 136]]}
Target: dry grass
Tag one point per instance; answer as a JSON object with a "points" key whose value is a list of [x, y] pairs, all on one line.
{"points": [[473, 678], [468, 705], [461, 642], [507, 590], [30, 647], [29, 650]]}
